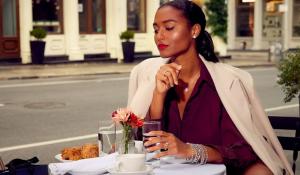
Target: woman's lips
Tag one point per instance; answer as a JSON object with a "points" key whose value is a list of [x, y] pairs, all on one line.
{"points": [[162, 46]]}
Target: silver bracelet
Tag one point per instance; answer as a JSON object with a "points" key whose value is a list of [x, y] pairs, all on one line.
{"points": [[199, 156]]}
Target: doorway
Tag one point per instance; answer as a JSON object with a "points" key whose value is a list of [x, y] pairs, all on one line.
{"points": [[9, 30]]}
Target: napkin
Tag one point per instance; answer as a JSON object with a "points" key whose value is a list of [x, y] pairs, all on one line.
{"points": [[91, 166]]}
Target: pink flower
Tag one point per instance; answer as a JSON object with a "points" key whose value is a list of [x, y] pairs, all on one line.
{"points": [[126, 117]]}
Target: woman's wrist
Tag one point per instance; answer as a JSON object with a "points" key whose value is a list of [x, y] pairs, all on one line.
{"points": [[159, 94], [189, 151], [198, 154]]}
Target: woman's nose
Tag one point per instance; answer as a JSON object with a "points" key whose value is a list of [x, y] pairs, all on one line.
{"points": [[160, 35]]}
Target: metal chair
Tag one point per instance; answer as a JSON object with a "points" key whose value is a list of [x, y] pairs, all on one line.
{"points": [[288, 142]]}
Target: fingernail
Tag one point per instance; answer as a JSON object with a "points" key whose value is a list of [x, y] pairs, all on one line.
{"points": [[179, 67]]}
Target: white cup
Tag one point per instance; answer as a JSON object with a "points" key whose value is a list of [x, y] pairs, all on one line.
{"points": [[131, 162]]}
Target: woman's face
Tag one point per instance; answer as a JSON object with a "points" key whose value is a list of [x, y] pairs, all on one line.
{"points": [[173, 35]]}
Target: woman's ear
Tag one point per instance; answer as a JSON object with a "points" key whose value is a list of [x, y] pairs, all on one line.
{"points": [[196, 29]]}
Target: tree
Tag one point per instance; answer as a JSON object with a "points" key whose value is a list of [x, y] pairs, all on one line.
{"points": [[289, 75], [216, 11]]}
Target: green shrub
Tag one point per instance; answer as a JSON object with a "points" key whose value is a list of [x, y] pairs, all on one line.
{"points": [[127, 35], [38, 33], [289, 74]]}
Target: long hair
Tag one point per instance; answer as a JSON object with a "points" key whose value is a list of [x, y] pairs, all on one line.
{"points": [[194, 15]]}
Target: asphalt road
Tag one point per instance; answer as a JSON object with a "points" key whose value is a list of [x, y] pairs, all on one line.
{"points": [[39, 117]]}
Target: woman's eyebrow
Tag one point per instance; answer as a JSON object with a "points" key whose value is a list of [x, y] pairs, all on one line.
{"points": [[165, 21]]}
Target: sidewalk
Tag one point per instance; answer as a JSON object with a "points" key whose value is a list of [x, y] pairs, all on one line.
{"points": [[10, 72]]}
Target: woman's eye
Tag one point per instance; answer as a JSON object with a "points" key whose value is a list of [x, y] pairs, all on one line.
{"points": [[155, 31], [169, 28]]}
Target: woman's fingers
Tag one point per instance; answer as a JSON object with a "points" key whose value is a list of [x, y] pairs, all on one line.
{"points": [[168, 142], [170, 78], [175, 73], [170, 71], [162, 154], [165, 74], [159, 133], [167, 77]]}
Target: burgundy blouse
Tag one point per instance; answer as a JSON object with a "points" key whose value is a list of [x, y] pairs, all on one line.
{"points": [[206, 121]]}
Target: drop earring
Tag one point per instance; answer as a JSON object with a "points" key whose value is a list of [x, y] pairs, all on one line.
{"points": [[194, 36]]}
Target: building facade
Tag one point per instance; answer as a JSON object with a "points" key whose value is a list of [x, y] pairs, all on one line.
{"points": [[80, 28], [258, 24], [76, 28]]}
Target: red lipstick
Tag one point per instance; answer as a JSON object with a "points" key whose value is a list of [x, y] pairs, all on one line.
{"points": [[162, 46]]}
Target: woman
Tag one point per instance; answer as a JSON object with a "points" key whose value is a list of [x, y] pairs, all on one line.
{"points": [[209, 110]]}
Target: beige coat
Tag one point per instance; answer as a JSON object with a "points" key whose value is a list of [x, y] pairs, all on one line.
{"points": [[236, 91]]}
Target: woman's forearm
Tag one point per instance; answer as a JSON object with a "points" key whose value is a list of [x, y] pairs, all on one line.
{"points": [[156, 107]]}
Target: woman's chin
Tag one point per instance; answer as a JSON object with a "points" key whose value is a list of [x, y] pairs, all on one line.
{"points": [[164, 55]]}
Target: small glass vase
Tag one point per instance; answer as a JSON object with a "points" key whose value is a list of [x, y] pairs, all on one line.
{"points": [[126, 145]]}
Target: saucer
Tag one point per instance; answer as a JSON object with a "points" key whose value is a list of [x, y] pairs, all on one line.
{"points": [[115, 171]]}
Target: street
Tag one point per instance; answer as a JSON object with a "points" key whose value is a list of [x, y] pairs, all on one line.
{"points": [[39, 117]]}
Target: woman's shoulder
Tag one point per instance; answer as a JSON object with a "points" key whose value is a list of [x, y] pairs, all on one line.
{"points": [[235, 72]]}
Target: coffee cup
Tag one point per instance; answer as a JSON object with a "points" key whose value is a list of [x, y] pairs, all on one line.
{"points": [[131, 162]]}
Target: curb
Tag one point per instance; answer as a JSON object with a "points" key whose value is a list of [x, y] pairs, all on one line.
{"points": [[126, 70]]}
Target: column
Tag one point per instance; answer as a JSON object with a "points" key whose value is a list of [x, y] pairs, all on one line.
{"points": [[71, 29], [115, 24], [25, 10], [287, 23], [231, 24], [258, 25], [152, 6]]}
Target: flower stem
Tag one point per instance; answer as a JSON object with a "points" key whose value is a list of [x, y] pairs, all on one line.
{"points": [[127, 130]]}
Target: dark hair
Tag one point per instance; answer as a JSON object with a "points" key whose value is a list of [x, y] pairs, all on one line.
{"points": [[194, 14]]}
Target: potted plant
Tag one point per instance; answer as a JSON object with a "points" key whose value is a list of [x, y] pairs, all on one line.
{"points": [[289, 75], [37, 46], [128, 45]]}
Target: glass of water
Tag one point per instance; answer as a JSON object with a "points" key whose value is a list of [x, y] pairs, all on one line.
{"points": [[147, 127], [107, 136]]}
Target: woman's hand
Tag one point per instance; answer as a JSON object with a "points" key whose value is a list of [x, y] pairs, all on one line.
{"points": [[167, 77], [168, 142]]}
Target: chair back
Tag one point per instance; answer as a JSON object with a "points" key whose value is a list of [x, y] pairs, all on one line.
{"points": [[291, 143]]}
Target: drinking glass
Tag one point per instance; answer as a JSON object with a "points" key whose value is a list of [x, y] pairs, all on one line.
{"points": [[147, 127], [107, 136]]}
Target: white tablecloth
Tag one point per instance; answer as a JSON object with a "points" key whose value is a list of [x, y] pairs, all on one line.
{"points": [[190, 169]]}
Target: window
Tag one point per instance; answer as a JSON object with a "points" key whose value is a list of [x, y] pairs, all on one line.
{"points": [[296, 19], [48, 15], [136, 15], [9, 18], [245, 18], [91, 16], [272, 19]]}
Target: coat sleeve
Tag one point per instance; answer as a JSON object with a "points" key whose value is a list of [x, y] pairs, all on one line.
{"points": [[133, 84]]}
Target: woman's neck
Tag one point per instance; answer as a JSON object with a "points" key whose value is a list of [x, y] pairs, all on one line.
{"points": [[190, 66]]}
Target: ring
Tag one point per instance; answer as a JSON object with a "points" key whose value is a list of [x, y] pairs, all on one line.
{"points": [[166, 145]]}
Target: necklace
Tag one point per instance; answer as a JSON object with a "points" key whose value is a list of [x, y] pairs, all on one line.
{"points": [[192, 82]]}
